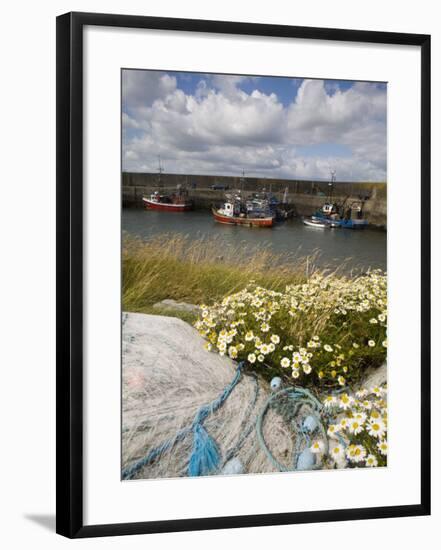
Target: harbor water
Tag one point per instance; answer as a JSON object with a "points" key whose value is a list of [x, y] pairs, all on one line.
{"points": [[355, 249]]}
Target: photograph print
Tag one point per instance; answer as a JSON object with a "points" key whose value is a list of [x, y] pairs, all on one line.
{"points": [[254, 274]]}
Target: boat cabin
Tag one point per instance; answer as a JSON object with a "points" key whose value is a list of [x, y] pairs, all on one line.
{"points": [[329, 208]]}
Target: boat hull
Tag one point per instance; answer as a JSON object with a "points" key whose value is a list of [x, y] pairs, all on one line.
{"points": [[345, 224], [255, 222], [353, 224], [317, 224], [169, 207]]}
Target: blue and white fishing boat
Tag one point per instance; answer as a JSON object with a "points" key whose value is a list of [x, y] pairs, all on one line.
{"points": [[340, 215], [347, 217]]}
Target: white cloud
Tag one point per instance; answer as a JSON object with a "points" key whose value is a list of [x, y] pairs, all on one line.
{"points": [[141, 88], [221, 129]]}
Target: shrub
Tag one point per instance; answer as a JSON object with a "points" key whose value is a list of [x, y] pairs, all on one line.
{"points": [[322, 332]]}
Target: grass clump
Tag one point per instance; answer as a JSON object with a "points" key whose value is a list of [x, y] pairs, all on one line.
{"points": [[200, 271]]}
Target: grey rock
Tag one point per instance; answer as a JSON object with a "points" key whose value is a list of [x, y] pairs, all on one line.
{"points": [[179, 306], [375, 377]]}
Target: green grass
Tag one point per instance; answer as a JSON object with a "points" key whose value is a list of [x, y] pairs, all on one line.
{"points": [[200, 271]]}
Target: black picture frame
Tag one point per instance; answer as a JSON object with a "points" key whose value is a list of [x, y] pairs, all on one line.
{"points": [[69, 331]]}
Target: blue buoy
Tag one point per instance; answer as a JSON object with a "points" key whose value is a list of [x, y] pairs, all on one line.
{"points": [[276, 382], [306, 460], [310, 424]]}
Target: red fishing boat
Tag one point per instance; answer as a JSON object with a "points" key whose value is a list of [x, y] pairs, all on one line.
{"points": [[235, 212], [175, 202]]}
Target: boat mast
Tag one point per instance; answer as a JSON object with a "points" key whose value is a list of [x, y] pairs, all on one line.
{"points": [[242, 180], [331, 186], [160, 170]]}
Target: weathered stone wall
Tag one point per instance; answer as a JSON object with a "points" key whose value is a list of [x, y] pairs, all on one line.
{"points": [[304, 196]]}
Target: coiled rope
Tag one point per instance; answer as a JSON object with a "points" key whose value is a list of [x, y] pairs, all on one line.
{"points": [[288, 402], [205, 456]]}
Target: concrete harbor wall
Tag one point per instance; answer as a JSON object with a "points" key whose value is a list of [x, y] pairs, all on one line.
{"points": [[304, 197]]}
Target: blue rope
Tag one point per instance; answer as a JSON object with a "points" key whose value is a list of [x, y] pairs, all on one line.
{"points": [[205, 455]]}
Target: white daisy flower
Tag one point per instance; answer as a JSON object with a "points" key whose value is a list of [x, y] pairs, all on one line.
{"points": [[317, 447], [285, 362], [343, 424], [337, 453], [222, 346], [307, 369], [361, 417], [330, 401], [264, 348], [260, 358], [376, 428], [275, 339], [232, 352], [355, 453], [382, 447], [345, 401], [264, 327], [371, 461], [249, 336], [327, 347], [371, 344], [355, 426], [251, 358], [333, 429], [295, 373]]}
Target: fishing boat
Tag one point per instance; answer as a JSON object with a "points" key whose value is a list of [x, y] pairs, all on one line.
{"points": [[236, 211], [177, 201], [174, 202], [349, 217], [315, 223], [341, 215], [321, 224]]}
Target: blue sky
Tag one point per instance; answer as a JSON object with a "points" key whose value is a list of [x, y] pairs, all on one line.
{"points": [[267, 126]]}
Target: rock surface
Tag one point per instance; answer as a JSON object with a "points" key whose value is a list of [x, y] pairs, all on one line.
{"points": [[375, 377], [177, 306]]}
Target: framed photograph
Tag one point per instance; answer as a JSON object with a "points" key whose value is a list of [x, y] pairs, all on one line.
{"points": [[243, 274]]}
